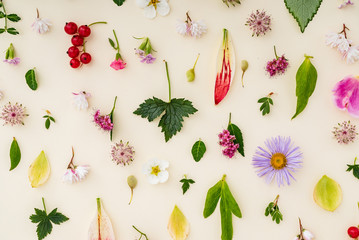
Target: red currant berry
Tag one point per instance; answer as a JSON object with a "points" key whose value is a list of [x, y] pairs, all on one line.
{"points": [[84, 31], [75, 63], [76, 40], [70, 28], [73, 52], [85, 58], [353, 232]]}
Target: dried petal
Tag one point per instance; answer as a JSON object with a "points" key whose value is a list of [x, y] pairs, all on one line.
{"points": [[101, 227], [328, 194], [39, 170], [178, 226]]}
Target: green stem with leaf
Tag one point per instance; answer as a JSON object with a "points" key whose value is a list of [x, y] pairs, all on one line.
{"points": [[169, 82], [117, 44], [3, 7], [43, 203]]}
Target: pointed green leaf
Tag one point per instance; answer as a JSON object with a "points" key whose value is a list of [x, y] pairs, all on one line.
{"points": [[306, 80], [234, 130], [212, 198], [232, 204], [2, 14], [31, 79], [303, 11], [119, 2], [112, 43], [43, 229], [226, 219], [2, 30], [198, 150], [12, 31], [15, 154], [57, 217], [13, 17], [262, 100], [47, 123]]}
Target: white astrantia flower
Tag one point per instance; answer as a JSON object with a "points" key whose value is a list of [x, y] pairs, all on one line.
{"points": [[155, 170], [198, 28], [182, 28], [352, 55], [80, 100], [152, 6]]}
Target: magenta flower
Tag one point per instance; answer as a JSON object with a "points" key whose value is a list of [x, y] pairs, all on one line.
{"points": [[118, 64], [346, 95], [278, 65], [105, 122], [226, 140]]}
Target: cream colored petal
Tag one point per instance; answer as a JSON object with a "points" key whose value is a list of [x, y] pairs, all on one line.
{"points": [[178, 226], [39, 170], [150, 12], [101, 226], [163, 8]]}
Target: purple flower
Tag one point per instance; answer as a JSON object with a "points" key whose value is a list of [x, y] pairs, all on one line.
{"points": [[278, 65], [148, 59], [346, 95], [103, 121], [279, 161], [14, 61], [226, 140]]}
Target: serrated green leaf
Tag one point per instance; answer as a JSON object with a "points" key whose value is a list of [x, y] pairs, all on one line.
{"points": [[57, 217], [15, 154], [198, 150], [44, 228], [355, 169], [306, 79], [303, 11], [31, 79], [234, 130], [119, 2], [12, 31], [212, 198], [186, 184], [151, 108], [47, 123], [13, 17]]}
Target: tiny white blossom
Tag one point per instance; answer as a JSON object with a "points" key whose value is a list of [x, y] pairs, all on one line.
{"points": [[70, 176], [307, 235], [352, 55], [82, 171], [334, 39], [198, 28], [182, 27], [152, 7], [80, 100], [41, 25], [155, 170]]}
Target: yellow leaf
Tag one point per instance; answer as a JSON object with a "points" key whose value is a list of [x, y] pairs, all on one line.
{"points": [[39, 170], [101, 227], [328, 194], [178, 226]]}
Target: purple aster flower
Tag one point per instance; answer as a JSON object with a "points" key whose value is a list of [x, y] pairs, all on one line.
{"points": [[226, 140], [345, 132], [259, 22], [278, 65], [148, 59], [279, 160], [122, 154], [14, 61], [13, 114]]}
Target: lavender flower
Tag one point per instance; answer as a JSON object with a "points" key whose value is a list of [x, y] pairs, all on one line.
{"points": [[148, 59], [122, 154], [279, 161], [10, 56], [13, 114], [259, 22], [345, 132], [278, 65], [144, 51], [226, 140]]}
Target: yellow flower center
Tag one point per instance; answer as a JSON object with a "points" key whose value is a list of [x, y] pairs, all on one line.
{"points": [[155, 170], [278, 161], [153, 2]]}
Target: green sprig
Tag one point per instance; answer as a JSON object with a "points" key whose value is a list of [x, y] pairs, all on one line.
{"points": [[266, 102], [354, 168], [48, 120], [186, 183], [273, 210], [8, 17]]}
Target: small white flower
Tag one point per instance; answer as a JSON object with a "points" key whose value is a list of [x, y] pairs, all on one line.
{"points": [[41, 25], [334, 39], [70, 176], [344, 46], [155, 170], [352, 55], [307, 235], [80, 100], [182, 28], [82, 171], [198, 28], [151, 6]]}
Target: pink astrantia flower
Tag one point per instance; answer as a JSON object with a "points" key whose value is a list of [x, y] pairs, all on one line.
{"points": [[226, 140], [259, 22], [345, 132], [13, 114], [346, 95], [122, 154], [118, 64]]}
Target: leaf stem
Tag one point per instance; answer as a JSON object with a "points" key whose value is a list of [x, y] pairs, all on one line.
{"points": [[169, 82], [118, 45], [3, 7], [224, 177], [275, 53], [142, 234], [276, 200], [196, 61], [230, 118], [114, 105], [355, 160], [96, 23], [43, 203]]}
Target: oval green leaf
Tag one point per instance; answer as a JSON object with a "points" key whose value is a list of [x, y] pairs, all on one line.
{"points": [[234, 130], [212, 198], [328, 194], [306, 79], [31, 79], [15, 154], [198, 150]]}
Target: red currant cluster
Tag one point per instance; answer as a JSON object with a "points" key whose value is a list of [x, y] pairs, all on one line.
{"points": [[353, 232], [77, 40]]}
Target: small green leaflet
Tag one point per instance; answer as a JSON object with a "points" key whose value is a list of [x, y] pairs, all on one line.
{"points": [[48, 121], [303, 11], [186, 183], [8, 17], [354, 168], [13, 17], [44, 221], [15, 154], [273, 210], [306, 79], [265, 107], [234, 130], [198, 150], [228, 205], [31, 79], [119, 2]]}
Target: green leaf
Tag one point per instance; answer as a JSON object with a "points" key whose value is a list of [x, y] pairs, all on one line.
{"points": [[234, 130], [39, 216], [13, 17], [119, 2], [355, 169], [198, 150], [57, 217], [112, 43], [15, 154], [151, 108], [44, 228], [31, 79], [226, 219], [2, 15], [303, 11], [306, 80], [212, 198], [52, 119], [2, 30], [232, 204], [47, 123], [265, 107], [186, 184], [12, 31]]}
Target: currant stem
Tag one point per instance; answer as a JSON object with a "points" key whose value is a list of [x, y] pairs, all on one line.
{"points": [[275, 53], [169, 82], [43, 203], [142, 234], [96, 23]]}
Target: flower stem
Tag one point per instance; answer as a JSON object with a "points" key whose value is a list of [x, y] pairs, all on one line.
{"points": [[196, 61], [38, 14], [3, 7], [43, 203], [118, 45], [96, 23], [301, 230], [142, 234], [72, 159], [98, 201], [344, 30], [169, 82], [114, 105], [188, 17], [275, 53]]}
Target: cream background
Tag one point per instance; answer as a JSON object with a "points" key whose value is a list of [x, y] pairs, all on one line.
{"points": [[152, 205]]}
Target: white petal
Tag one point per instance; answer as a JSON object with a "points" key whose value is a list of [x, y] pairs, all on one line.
{"points": [[163, 8], [150, 12], [163, 165], [153, 179], [181, 27], [142, 3], [307, 235], [163, 176], [147, 169]]}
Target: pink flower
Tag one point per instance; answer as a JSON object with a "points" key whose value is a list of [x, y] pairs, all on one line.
{"points": [[346, 95], [226, 140], [118, 64], [103, 121]]}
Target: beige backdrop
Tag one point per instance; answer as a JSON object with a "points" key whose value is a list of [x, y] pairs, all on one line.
{"points": [[152, 204]]}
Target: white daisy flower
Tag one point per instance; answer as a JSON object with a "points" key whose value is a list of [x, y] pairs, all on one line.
{"points": [[41, 25], [352, 55], [198, 28], [152, 6], [155, 170], [80, 100], [70, 176], [182, 28]]}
